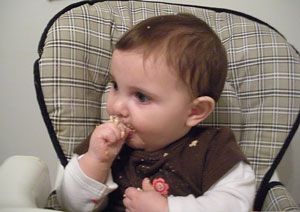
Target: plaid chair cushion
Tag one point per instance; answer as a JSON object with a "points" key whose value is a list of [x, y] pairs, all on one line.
{"points": [[279, 199], [260, 101]]}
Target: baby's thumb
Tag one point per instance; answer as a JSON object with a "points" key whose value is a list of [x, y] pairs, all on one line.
{"points": [[146, 185]]}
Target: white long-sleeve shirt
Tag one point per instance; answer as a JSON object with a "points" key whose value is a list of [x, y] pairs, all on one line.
{"points": [[235, 191]]}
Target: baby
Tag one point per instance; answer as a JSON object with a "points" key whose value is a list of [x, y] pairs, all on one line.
{"points": [[167, 73]]}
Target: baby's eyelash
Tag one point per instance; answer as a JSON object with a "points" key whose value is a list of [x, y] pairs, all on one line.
{"points": [[114, 84], [142, 98]]}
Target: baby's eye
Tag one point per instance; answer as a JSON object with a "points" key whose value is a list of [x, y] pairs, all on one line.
{"points": [[142, 98], [114, 85]]}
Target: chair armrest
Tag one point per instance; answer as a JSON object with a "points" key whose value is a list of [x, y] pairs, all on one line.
{"points": [[279, 199], [24, 182]]}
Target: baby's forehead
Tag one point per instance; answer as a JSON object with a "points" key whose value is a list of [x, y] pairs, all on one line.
{"points": [[159, 66], [153, 63], [157, 63]]}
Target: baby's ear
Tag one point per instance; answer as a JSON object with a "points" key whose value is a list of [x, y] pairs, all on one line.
{"points": [[201, 108]]}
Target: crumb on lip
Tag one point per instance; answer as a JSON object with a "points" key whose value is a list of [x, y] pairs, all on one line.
{"points": [[117, 120], [114, 119]]}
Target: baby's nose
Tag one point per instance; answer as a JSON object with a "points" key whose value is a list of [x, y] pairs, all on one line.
{"points": [[120, 108]]}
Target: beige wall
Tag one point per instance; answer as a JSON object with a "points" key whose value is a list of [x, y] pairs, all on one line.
{"points": [[22, 131]]}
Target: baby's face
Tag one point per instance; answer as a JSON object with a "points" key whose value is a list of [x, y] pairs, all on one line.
{"points": [[148, 98]]}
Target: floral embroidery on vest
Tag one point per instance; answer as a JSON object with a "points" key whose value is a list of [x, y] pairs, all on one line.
{"points": [[161, 186]]}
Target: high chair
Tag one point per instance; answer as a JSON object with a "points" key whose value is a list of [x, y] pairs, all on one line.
{"points": [[260, 101]]}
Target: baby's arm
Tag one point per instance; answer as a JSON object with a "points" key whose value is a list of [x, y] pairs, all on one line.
{"points": [[233, 192], [87, 179], [77, 192]]}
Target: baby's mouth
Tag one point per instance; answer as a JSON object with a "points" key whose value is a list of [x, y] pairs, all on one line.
{"points": [[130, 128], [116, 119]]}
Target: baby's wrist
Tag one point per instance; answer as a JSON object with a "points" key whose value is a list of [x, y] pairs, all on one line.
{"points": [[94, 168], [97, 162]]}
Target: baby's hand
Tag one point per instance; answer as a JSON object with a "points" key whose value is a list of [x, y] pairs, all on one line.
{"points": [[107, 140], [145, 200], [105, 143]]}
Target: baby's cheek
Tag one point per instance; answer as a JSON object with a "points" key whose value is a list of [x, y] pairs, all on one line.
{"points": [[109, 103]]}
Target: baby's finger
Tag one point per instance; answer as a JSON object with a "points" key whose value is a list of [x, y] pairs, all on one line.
{"points": [[109, 134], [127, 202], [113, 132], [123, 131], [146, 185], [132, 192]]}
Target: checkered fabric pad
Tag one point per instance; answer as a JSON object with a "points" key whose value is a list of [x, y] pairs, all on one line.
{"points": [[262, 93], [279, 199]]}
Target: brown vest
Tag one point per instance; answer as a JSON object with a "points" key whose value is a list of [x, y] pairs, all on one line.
{"points": [[188, 166]]}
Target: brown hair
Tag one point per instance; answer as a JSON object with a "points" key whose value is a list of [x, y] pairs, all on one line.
{"points": [[190, 47]]}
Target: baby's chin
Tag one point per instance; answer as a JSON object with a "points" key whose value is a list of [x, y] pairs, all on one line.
{"points": [[135, 142], [138, 144]]}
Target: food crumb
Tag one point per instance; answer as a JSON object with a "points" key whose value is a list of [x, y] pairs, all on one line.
{"points": [[193, 143]]}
